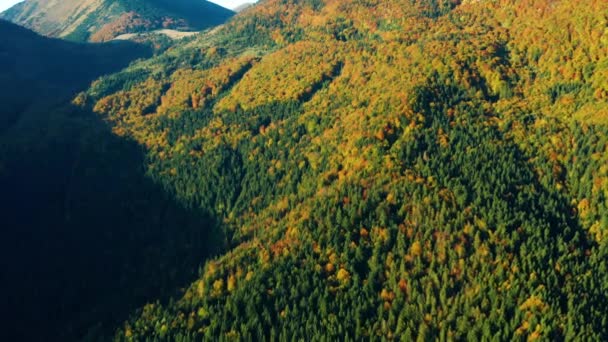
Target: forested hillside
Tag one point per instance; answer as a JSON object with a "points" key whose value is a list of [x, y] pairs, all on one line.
{"points": [[103, 20], [369, 170], [385, 169]]}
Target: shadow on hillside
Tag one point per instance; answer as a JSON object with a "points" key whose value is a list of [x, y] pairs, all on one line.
{"points": [[87, 238], [38, 73]]}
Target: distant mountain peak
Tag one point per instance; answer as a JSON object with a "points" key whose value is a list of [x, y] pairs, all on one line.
{"points": [[102, 20]]}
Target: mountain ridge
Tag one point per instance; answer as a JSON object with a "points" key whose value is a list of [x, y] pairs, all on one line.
{"points": [[102, 20]]}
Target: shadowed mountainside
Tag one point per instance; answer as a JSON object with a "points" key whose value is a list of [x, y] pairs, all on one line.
{"points": [[38, 72], [87, 237]]}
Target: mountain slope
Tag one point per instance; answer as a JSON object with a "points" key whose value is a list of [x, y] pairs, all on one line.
{"points": [[379, 170], [102, 20], [385, 169]]}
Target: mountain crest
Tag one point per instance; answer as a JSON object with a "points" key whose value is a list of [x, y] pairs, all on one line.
{"points": [[102, 20]]}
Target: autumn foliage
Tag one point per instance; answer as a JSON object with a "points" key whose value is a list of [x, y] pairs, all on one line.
{"points": [[385, 169]]}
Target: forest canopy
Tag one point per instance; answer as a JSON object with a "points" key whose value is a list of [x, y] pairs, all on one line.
{"points": [[383, 170]]}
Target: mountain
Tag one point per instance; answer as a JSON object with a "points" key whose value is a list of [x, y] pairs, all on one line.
{"points": [[102, 20], [366, 170]]}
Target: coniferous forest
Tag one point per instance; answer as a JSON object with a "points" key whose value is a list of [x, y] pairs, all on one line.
{"points": [[316, 170]]}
